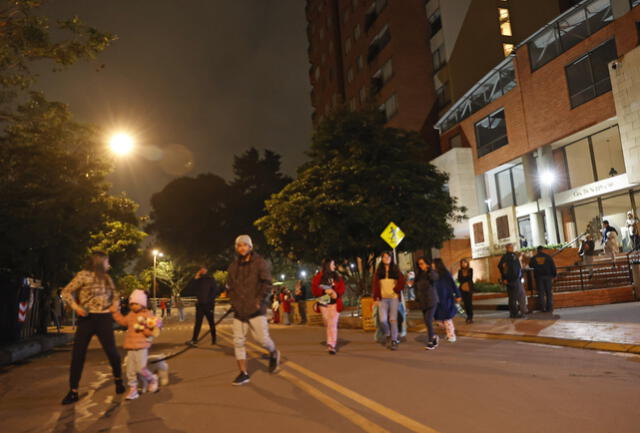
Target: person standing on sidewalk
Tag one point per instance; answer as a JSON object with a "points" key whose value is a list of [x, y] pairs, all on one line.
{"points": [[587, 251], [511, 276], [300, 296], [448, 295], [206, 290], [329, 286], [249, 285], [163, 307], [141, 326], [91, 293], [388, 283], [465, 279], [545, 271], [427, 297]]}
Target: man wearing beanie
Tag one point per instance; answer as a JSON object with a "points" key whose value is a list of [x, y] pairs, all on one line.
{"points": [[249, 284]]}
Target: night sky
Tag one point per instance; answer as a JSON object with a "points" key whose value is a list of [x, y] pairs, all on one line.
{"points": [[196, 80]]}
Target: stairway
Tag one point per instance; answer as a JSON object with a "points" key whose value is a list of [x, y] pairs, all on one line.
{"points": [[576, 277]]}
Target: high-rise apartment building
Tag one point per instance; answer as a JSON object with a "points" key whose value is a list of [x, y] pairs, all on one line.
{"points": [[411, 57]]}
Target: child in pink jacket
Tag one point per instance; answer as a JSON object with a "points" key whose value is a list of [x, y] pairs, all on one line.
{"points": [[141, 325]]}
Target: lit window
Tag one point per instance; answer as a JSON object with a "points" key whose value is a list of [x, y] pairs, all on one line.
{"points": [[360, 62], [505, 22], [356, 32], [508, 49]]}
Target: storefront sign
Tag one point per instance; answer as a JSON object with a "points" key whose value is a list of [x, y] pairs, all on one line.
{"points": [[594, 189]]}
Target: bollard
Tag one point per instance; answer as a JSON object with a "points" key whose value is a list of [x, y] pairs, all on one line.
{"points": [[366, 304]]}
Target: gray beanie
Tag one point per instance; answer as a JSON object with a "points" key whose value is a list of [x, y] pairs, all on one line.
{"points": [[244, 239]]}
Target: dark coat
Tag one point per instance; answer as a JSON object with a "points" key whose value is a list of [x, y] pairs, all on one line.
{"points": [[426, 293], [543, 265], [510, 268], [205, 289], [467, 279], [447, 292], [249, 285]]}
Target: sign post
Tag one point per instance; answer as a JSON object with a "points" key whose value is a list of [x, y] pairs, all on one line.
{"points": [[393, 235]]}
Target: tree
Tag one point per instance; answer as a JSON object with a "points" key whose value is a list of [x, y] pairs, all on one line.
{"points": [[197, 219], [128, 283], [361, 175], [190, 219], [27, 36], [52, 191]]}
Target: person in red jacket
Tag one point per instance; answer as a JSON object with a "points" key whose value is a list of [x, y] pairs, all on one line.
{"points": [[388, 283], [329, 286], [285, 304]]}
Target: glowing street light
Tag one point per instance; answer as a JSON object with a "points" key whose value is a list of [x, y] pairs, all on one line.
{"points": [[282, 276], [121, 143], [303, 274]]}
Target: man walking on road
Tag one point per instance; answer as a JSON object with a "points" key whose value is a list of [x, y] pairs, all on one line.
{"points": [[511, 276], [249, 283], [205, 289], [544, 269]]}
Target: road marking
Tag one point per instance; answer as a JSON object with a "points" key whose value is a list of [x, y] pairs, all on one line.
{"points": [[391, 414], [349, 414]]}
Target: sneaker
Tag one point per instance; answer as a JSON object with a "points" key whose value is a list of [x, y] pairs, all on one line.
{"points": [[120, 389], [132, 394], [451, 339], [331, 350], [274, 361], [153, 384], [242, 379], [71, 397], [192, 343], [394, 345]]}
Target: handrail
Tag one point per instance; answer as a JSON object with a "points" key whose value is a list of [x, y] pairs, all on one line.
{"points": [[566, 245]]}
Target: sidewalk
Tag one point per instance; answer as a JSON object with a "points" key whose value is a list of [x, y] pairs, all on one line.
{"points": [[29, 347]]}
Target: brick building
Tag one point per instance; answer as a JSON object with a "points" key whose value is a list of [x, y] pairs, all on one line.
{"points": [[554, 126]]}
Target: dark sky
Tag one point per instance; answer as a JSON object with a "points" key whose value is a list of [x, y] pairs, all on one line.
{"points": [[192, 79]]}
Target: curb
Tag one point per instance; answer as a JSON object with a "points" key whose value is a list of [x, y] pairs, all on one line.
{"points": [[565, 342], [16, 352]]}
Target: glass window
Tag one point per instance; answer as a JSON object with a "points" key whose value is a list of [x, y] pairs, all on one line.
{"points": [[584, 214], [390, 107], [505, 193], [502, 226], [507, 48], [519, 185], [491, 133], [526, 234], [544, 48], [439, 59], [573, 29], [356, 32], [607, 151], [360, 62], [442, 96], [599, 14], [347, 45], [505, 22], [588, 76], [615, 210], [579, 165], [635, 3]]}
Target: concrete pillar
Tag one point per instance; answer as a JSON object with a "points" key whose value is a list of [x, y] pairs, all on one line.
{"points": [[481, 194]]}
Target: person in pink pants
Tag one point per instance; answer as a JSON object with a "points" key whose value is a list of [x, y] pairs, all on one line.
{"points": [[328, 286]]}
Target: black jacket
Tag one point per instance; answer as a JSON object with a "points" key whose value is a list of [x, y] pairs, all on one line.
{"points": [[543, 265], [467, 279], [205, 289], [426, 293], [249, 285], [510, 268]]}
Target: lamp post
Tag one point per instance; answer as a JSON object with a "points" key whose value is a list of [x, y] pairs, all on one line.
{"points": [[548, 178], [155, 253]]}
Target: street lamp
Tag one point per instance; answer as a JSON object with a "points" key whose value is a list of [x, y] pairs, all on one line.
{"points": [[282, 277], [155, 254], [303, 274], [548, 179], [121, 143]]}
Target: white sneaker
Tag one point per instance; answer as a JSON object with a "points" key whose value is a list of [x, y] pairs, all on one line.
{"points": [[451, 339], [153, 384], [133, 394]]}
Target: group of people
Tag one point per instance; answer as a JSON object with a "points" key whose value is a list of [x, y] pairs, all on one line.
{"points": [[282, 301]]}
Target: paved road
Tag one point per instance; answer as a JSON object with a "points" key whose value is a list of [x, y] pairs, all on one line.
{"points": [[471, 386]]}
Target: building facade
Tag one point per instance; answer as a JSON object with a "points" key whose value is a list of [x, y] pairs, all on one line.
{"points": [[549, 140]]}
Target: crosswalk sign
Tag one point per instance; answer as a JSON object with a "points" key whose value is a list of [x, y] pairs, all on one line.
{"points": [[392, 235]]}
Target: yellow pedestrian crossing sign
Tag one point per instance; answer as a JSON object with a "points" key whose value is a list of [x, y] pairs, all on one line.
{"points": [[392, 235]]}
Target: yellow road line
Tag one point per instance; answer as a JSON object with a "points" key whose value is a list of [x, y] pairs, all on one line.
{"points": [[391, 414], [331, 403]]}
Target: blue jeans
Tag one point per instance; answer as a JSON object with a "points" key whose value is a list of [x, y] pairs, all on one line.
{"points": [[389, 313]]}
